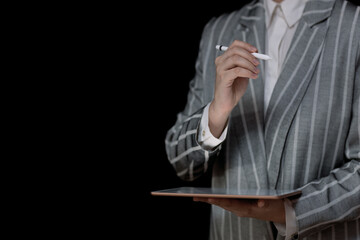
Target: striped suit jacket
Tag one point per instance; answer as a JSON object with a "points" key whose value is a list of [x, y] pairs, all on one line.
{"points": [[308, 139]]}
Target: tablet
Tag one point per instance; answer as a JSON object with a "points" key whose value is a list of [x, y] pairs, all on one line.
{"points": [[227, 193]]}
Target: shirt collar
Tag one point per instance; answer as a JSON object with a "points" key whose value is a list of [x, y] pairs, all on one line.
{"points": [[292, 10]]}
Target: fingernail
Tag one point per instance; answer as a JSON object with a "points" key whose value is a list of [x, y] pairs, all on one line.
{"points": [[256, 62], [254, 49], [261, 203]]}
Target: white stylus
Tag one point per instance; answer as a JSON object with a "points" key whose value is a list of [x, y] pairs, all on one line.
{"points": [[257, 55]]}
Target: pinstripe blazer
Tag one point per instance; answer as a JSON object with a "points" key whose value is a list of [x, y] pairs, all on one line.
{"points": [[309, 138]]}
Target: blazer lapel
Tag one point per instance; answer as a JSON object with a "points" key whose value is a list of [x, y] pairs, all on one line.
{"points": [[293, 81]]}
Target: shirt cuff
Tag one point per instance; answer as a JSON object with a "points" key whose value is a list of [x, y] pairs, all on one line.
{"points": [[289, 228], [206, 140]]}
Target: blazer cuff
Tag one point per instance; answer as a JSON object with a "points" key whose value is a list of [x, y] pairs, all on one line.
{"points": [[288, 229]]}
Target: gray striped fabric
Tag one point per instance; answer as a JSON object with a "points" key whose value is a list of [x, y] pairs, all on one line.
{"points": [[309, 138]]}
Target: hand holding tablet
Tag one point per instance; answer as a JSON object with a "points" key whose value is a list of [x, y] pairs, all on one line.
{"points": [[264, 204]]}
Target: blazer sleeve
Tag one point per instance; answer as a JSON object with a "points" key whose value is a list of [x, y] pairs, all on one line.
{"points": [[337, 194], [185, 154]]}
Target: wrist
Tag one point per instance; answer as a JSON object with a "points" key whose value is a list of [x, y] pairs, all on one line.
{"points": [[220, 110], [218, 118]]}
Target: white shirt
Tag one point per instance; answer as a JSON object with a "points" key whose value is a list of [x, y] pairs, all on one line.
{"points": [[281, 20]]}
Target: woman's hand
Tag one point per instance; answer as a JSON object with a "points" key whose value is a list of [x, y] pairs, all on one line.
{"points": [[233, 70], [267, 210]]}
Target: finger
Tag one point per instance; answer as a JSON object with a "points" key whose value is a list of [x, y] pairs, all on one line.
{"points": [[222, 202], [244, 45], [234, 73], [237, 61], [200, 199], [243, 53], [238, 51], [241, 208]]}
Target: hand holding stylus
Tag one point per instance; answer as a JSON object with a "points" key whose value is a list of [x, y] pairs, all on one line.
{"points": [[233, 70], [257, 55]]}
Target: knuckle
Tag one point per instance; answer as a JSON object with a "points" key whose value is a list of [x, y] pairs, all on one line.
{"points": [[238, 42], [217, 60], [234, 58], [238, 71], [218, 69]]}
